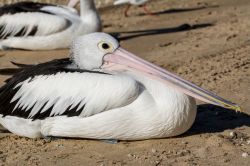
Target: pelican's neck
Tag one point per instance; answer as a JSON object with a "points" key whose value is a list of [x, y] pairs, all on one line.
{"points": [[90, 16], [87, 6]]}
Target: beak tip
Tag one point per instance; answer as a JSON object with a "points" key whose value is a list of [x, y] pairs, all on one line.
{"points": [[238, 109], [235, 107]]}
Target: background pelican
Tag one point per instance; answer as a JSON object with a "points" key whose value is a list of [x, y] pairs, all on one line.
{"points": [[133, 2], [38, 26], [101, 92]]}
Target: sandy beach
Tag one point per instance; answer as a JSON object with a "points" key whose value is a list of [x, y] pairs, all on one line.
{"points": [[204, 41]]}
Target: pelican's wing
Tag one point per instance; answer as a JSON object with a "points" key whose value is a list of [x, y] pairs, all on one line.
{"points": [[55, 88], [31, 19]]}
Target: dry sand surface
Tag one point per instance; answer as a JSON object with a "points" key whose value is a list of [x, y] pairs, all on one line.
{"points": [[204, 41]]}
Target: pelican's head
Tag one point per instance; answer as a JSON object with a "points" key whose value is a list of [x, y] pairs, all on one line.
{"points": [[100, 51], [89, 50]]}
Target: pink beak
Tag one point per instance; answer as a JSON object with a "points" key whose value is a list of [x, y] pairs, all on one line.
{"points": [[73, 3], [128, 61]]}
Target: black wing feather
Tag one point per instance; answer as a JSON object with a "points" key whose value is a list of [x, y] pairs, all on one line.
{"points": [[23, 7], [8, 91]]}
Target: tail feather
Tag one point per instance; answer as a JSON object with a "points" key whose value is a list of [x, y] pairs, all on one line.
{"points": [[21, 65], [11, 71]]}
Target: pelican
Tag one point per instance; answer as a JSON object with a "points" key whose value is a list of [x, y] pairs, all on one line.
{"points": [[133, 2], [101, 92], [39, 26]]}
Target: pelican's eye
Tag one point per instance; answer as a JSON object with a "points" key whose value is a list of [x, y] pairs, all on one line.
{"points": [[105, 47]]}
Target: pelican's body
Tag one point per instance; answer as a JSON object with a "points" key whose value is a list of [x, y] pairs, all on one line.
{"points": [[102, 92], [38, 26], [121, 106]]}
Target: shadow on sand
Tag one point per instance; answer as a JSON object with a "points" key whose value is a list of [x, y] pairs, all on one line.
{"points": [[134, 34], [180, 10], [212, 119]]}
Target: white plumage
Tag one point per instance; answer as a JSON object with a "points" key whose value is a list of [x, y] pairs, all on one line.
{"points": [[46, 26], [102, 92], [68, 90]]}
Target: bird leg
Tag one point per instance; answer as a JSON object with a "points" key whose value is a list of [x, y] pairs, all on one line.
{"points": [[146, 10], [126, 11]]}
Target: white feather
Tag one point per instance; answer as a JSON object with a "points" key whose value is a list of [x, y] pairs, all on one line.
{"points": [[65, 90], [14, 23], [21, 126]]}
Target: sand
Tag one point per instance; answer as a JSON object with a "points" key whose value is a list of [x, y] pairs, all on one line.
{"points": [[204, 41]]}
